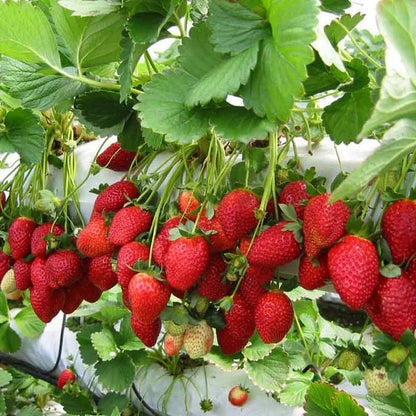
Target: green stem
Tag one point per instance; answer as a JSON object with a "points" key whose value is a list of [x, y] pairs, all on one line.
{"points": [[341, 167], [151, 62], [308, 132], [179, 24], [302, 335]]}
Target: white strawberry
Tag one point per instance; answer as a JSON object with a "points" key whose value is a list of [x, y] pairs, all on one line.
{"points": [[198, 340], [378, 383]]}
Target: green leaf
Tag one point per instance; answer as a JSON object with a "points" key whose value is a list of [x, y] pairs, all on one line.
{"points": [[88, 353], [110, 401], [271, 372], [347, 406], [29, 411], [105, 344], [294, 391], [399, 141], [131, 137], [37, 87], [257, 349], [28, 324], [76, 405], [296, 354], [359, 72], [4, 306], [281, 66], [234, 27], [26, 35], [111, 314], [5, 377], [23, 134], [153, 140], [9, 340], [3, 407], [90, 7], [102, 111], [145, 27], [335, 6], [225, 362], [336, 33], [319, 400], [345, 117], [90, 41], [117, 374], [396, 404]]}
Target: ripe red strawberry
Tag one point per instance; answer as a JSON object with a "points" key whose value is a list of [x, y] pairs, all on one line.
{"points": [[324, 224], [20, 234], [5, 264], [116, 158], [22, 274], [354, 270], [251, 290], [411, 272], [2, 200], [147, 333], [273, 316], [148, 297], [392, 307], [237, 213], [186, 261], [46, 302], [112, 198], [93, 240], [188, 204], [66, 376], [172, 344], [212, 285], [38, 273], [127, 224], [398, 227], [294, 193], [239, 327], [274, 247], [313, 273], [100, 272], [162, 242], [64, 268], [238, 395], [271, 207], [90, 293], [73, 298], [198, 339], [38, 244], [219, 241], [127, 256], [95, 215]]}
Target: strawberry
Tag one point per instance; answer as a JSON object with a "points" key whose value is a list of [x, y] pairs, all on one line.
{"points": [[313, 273], [2, 200], [38, 244], [127, 256], [229, 342], [409, 386], [188, 204], [273, 317], [324, 224], [349, 360], [147, 333], [398, 227], [398, 354], [95, 215], [392, 307], [93, 240], [218, 240], [90, 292], [148, 297], [411, 271], [112, 198], [251, 290], [378, 383], [162, 242], [100, 272], [354, 270], [46, 302], [186, 261], [198, 339], [127, 224], [38, 273], [64, 268], [212, 284], [274, 247], [66, 376], [73, 298], [271, 207], [295, 193], [238, 395], [116, 158], [20, 234], [22, 274], [8, 286], [237, 213], [172, 344], [5, 264], [173, 328]]}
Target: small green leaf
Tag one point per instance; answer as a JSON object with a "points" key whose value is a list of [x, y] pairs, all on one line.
{"points": [[111, 314], [153, 140], [335, 6], [130, 138], [256, 348], [319, 400], [105, 344], [111, 401], [145, 28], [5, 377], [117, 374], [294, 391], [24, 135], [2, 404], [4, 306], [29, 411], [336, 33], [28, 324], [127, 339], [396, 404], [77, 405], [9, 340], [258, 159], [225, 362], [88, 353], [271, 372], [90, 7], [347, 406]]}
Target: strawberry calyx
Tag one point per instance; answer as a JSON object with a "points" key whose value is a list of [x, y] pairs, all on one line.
{"points": [[189, 230], [179, 314], [206, 405], [391, 271], [226, 303]]}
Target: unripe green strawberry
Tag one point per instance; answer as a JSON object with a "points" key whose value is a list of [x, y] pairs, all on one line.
{"points": [[398, 354], [237, 213], [377, 383], [198, 339], [398, 228], [186, 261], [324, 224], [274, 247], [409, 387], [174, 329], [172, 344], [349, 360], [8, 286], [147, 333], [354, 270]]}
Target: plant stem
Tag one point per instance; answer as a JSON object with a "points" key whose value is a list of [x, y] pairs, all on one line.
{"points": [[302, 335], [151, 62]]}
